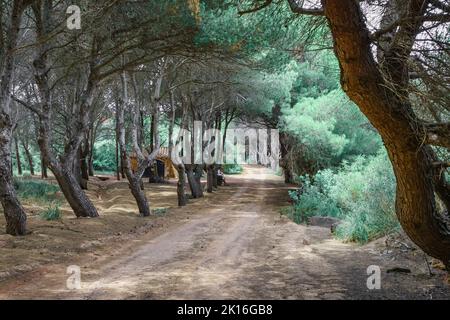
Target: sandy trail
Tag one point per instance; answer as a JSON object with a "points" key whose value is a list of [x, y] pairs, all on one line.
{"points": [[238, 247]]}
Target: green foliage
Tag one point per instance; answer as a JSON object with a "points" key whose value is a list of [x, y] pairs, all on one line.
{"points": [[105, 156], [232, 169], [160, 211], [35, 189], [328, 130], [52, 213], [362, 194]]}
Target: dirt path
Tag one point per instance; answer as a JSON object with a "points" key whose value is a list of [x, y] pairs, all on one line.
{"points": [[238, 247]]}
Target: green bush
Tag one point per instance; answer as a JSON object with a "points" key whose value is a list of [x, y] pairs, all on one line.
{"points": [[35, 189], [361, 194], [52, 213], [232, 169], [105, 156], [160, 211]]}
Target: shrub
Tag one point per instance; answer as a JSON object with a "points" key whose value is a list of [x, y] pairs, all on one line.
{"points": [[232, 169], [160, 211], [52, 213], [36, 189], [361, 194]]}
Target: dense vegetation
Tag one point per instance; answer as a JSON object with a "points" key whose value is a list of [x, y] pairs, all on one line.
{"points": [[363, 128]]}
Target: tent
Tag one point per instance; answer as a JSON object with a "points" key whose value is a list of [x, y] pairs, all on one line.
{"points": [[161, 169]]}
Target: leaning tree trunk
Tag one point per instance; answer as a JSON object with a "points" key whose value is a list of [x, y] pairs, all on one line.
{"points": [[138, 193], [397, 124], [14, 213], [74, 194]]}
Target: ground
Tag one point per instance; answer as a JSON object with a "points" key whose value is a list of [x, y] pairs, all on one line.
{"points": [[232, 244]]}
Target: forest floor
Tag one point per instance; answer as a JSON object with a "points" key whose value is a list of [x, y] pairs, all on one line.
{"points": [[232, 244]]}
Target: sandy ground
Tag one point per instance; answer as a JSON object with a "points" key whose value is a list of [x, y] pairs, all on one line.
{"points": [[232, 244]]}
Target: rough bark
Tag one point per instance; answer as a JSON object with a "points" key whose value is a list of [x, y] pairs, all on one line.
{"points": [[210, 178], [195, 187], [61, 167], [13, 211], [394, 119], [44, 173]]}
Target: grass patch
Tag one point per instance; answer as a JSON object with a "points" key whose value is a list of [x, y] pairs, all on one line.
{"points": [[52, 213], [35, 189], [160, 211]]}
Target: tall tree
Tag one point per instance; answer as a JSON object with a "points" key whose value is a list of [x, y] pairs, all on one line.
{"points": [[10, 24]]}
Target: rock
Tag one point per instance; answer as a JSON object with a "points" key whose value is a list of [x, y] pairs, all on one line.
{"points": [[306, 242], [324, 222]]}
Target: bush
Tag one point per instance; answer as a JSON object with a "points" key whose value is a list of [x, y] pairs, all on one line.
{"points": [[52, 213], [35, 189], [160, 211], [232, 169], [361, 194], [105, 156]]}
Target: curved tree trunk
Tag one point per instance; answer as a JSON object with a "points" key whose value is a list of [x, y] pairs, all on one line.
{"points": [[15, 216], [74, 194], [397, 124]]}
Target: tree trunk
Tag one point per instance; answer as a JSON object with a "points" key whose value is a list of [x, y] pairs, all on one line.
{"points": [[138, 194], [18, 162], [397, 124], [29, 157], [15, 216], [44, 173], [210, 179], [84, 167], [198, 173], [193, 185], [77, 169], [284, 162], [181, 186], [74, 194]]}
